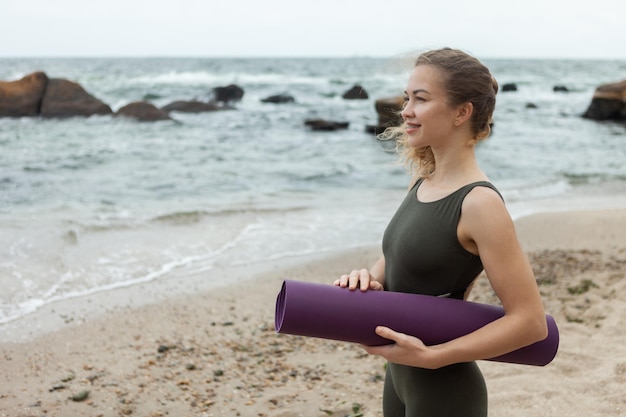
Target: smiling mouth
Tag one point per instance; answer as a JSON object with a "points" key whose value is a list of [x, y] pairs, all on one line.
{"points": [[412, 126]]}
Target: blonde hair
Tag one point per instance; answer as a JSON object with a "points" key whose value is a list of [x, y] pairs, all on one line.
{"points": [[465, 79]]}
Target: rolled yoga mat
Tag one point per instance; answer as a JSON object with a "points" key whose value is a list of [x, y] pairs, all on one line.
{"points": [[332, 312]]}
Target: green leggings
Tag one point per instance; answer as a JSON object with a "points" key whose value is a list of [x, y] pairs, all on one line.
{"points": [[453, 391]]}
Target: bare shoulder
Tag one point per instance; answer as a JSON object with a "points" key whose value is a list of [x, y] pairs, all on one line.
{"points": [[483, 196], [483, 206]]}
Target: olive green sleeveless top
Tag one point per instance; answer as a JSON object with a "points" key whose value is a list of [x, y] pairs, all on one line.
{"points": [[422, 251]]}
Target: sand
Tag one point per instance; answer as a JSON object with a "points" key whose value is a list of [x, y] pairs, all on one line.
{"points": [[214, 352]]}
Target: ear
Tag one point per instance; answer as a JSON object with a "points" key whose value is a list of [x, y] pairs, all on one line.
{"points": [[463, 114]]}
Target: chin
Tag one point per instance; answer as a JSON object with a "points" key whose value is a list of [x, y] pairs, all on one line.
{"points": [[415, 143]]}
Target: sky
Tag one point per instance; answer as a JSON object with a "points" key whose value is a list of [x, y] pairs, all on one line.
{"points": [[313, 28]]}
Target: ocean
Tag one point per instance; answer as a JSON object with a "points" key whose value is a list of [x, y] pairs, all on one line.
{"points": [[92, 204]]}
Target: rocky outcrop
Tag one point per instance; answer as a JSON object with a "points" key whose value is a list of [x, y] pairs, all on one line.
{"points": [[142, 111], [37, 95], [228, 94], [355, 93], [278, 99], [64, 98], [22, 98], [508, 87], [325, 125], [388, 110], [192, 106], [608, 102]]}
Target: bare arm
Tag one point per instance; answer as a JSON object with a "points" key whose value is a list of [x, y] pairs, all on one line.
{"points": [[488, 225]]}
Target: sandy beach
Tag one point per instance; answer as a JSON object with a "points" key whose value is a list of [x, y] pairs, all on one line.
{"points": [[214, 352]]}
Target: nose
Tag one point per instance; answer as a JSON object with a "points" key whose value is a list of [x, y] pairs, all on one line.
{"points": [[406, 111]]}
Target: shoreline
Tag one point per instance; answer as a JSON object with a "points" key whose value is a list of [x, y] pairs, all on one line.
{"points": [[60, 313], [171, 347]]}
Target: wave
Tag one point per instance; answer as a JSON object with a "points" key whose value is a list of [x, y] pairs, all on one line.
{"points": [[195, 216], [593, 177], [210, 79]]}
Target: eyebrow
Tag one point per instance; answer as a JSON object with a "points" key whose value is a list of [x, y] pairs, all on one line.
{"points": [[419, 90]]}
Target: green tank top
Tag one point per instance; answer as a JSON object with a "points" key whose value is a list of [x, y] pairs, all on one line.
{"points": [[422, 251]]}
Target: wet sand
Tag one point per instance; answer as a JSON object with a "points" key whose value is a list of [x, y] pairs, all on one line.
{"points": [[214, 352]]}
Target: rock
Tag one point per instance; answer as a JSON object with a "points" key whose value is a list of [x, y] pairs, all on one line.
{"points": [[608, 102], [388, 110], [531, 106], [192, 106], [22, 98], [64, 98], [80, 396], [37, 95], [509, 87], [57, 387], [355, 93], [142, 111], [228, 93], [325, 125], [278, 99], [560, 89]]}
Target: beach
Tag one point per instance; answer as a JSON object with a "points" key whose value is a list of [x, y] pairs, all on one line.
{"points": [[214, 351]]}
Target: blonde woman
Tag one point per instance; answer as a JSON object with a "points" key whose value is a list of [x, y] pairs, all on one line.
{"points": [[452, 224]]}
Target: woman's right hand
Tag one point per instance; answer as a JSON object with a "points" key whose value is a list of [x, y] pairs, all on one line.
{"points": [[359, 278]]}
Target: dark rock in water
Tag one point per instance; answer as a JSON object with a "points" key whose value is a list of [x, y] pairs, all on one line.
{"points": [[142, 111], [325, 125], [192, 106], [608, 102], [531, 106], [388, 110], [37, 95], [22, 98], [355, 93], [278, 99], [560, 89], [509, 87], [64, 98], [228, 94], [375, 129]]}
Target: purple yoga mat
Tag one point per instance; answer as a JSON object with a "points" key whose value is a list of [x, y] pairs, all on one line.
{"points": [[331, 312]]}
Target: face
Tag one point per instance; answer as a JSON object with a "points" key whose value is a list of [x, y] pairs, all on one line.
{"points": [[429, 119]]}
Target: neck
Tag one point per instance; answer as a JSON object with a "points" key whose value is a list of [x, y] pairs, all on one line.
{"points": [[454, 166]]}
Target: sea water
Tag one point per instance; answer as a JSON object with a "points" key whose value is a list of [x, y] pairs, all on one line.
{"points": [[90, 204]]}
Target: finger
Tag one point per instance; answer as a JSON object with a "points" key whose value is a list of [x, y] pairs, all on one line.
{"points": [[354, 279], [343, 280], [376, 286], [387, 333], [364, 278]]}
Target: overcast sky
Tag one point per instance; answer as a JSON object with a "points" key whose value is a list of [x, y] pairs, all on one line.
{"points": [[279, 28]]}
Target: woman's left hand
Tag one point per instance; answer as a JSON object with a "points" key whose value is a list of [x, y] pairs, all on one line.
{"points": [[407, 350]]}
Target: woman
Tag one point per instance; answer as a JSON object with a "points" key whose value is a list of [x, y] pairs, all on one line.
{"points": [[452, 224]]}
